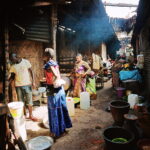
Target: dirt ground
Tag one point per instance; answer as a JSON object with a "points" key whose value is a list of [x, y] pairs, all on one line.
{"points": [[88, 125]]}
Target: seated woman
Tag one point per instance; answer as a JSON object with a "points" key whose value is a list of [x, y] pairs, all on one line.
{"points": [[81, 69], [116, 68]]}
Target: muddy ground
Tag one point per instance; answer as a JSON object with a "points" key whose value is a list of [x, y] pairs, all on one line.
{"points": [[88, 125]]}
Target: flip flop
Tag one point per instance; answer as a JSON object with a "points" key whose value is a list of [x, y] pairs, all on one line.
{"points": [[33, 119]]}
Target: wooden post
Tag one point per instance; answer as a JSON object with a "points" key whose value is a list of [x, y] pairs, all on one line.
{"points": [[104, 52], [54, 26], [6, 66]]}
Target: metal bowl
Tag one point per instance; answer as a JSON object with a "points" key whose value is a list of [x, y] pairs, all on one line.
{"points": [[40, 143], [35, 93]]}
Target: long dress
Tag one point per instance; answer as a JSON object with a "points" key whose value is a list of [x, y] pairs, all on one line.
{"points": [[79, 81], [59, 118]]}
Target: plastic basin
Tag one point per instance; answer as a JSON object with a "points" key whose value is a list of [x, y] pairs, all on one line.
{"points": [[16, 109], [118, 108]]}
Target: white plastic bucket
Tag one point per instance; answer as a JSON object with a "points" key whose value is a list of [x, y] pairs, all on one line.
{"points": [[20, 127], [16, 109], [133, 99], [84, 100], [46, 121], [70, 106]]}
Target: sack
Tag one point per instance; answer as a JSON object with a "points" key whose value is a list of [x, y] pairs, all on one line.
{"points": [[58, 83]]}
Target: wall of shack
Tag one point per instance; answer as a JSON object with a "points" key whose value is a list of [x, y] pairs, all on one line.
{"points": [[144, 46]]}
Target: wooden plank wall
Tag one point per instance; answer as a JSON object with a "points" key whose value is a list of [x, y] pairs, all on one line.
{"points": [[66, 60]]}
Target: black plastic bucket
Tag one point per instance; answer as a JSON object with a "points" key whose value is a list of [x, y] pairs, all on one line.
{"points": [[118, 108], [118, 132]]}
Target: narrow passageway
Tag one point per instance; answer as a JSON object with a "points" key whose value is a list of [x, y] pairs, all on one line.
{"points": [[52, 46], [88, 125]]}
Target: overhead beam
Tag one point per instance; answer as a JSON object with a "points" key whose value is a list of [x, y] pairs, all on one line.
{"points": [[119, 5], [36, 4]]}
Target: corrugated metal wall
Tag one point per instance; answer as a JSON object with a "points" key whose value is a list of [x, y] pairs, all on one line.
{"points": [[147, 72], [38, 29], [144, 47]]}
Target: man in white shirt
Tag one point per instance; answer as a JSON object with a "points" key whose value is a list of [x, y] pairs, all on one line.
{"points": [[22, 73]]}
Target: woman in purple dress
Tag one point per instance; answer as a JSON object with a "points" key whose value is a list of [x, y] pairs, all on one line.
{"points": [[81, 70]]}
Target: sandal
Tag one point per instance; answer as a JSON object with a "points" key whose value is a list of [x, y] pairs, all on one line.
{"points": [[33, 119]]}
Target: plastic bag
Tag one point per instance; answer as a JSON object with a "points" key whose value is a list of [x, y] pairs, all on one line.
{"points": [[58, 83]]}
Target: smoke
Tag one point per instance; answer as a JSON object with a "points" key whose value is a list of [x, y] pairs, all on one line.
{"points": [[90, 22]]}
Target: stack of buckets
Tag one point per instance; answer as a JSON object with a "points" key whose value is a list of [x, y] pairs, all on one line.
{"points": [[16, 110]]}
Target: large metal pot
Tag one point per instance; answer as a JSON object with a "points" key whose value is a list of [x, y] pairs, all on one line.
{"points": [[67, 84], [35, 93]]}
